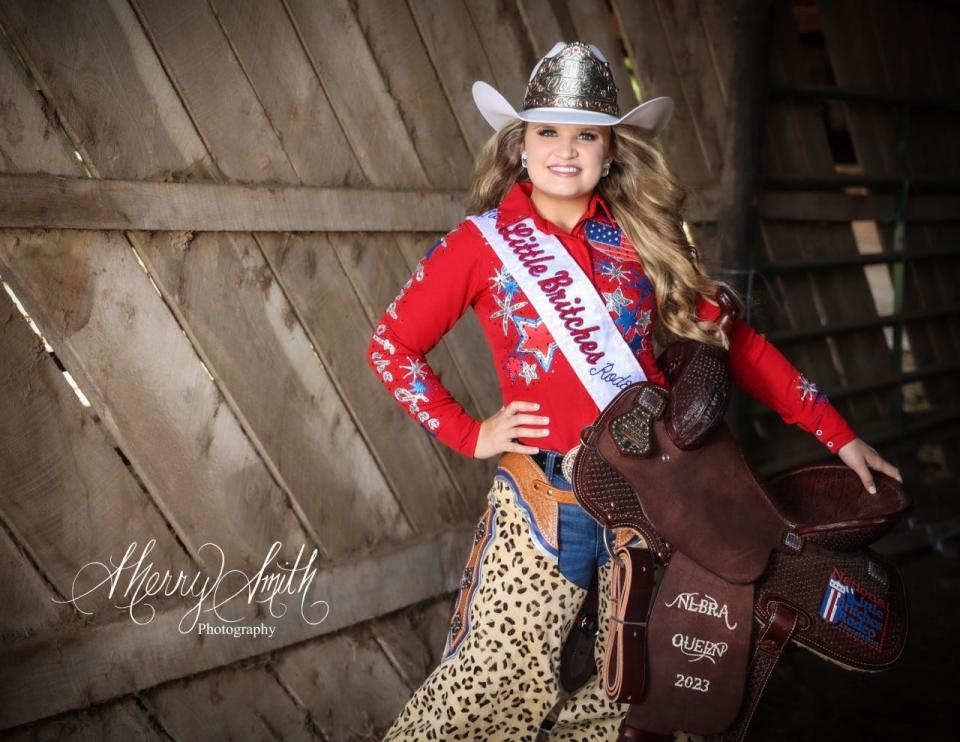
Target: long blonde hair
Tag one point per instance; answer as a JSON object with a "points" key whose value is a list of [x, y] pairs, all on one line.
{"points": [[646, 199]]}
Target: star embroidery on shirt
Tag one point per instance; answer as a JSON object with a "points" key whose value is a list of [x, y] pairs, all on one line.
{"points": [[503, 281], [506, 310], [808, 390], [418, 387], [615, 300], [535, 338], [634, 324], [613, 271], [529, 372], [643, 322], [415, 369]]}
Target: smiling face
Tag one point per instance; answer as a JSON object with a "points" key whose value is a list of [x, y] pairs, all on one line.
{"points": [[565, 161]]}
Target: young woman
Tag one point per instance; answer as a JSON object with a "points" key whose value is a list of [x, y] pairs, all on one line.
{"points": [[574, 260]]}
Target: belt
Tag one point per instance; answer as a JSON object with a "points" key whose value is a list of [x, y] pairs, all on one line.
{"points": [[562, 466], [540, 459]]}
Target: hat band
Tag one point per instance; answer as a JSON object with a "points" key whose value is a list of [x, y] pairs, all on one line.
{"points": [[578, 102]]}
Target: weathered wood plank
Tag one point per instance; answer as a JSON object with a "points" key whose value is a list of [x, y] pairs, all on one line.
{"points": [[413, 640], [99, 71], [90, 297], [841, 207], [27, 136], [543, 24], [703, 89], [352, 81], [28, 608], [460, 60], [313, 278], [652, 53], [508, 48], [39, 681], [329, 676], [241, 321], [274, 61], [122, 720], [65, 493], [412, 80], [41, 201], [218, 96], [239, 703]]}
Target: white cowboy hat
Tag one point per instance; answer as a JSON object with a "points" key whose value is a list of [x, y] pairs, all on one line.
{"points": [[572, 84]]}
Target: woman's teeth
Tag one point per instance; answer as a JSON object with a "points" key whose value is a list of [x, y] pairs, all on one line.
{"points": [[564, 170]]}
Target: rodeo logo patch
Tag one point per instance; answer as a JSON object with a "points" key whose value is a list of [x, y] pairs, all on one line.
{"points": [[856, 611]]}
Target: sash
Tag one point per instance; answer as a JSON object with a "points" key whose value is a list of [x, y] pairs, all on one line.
{"points": [[568, 304]]}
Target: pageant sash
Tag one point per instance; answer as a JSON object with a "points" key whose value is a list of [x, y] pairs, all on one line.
{"points": [[568, 304]]}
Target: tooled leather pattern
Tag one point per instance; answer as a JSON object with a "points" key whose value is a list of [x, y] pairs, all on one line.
{"points": [[802, 579], [611, 501], [700, 375]]}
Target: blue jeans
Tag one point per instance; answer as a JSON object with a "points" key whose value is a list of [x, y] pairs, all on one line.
{"points": [[579, 537]]}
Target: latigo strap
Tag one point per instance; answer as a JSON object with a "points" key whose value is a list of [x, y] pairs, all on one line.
{"points": [[631, 590]]}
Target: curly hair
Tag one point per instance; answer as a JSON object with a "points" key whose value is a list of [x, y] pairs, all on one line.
{"points": [[646, 198]]}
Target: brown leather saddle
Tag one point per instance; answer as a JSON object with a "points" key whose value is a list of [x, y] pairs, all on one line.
{"points": [[746, 566]]}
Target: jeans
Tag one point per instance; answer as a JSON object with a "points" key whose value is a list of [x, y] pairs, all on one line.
{"points": [[580, 537]]}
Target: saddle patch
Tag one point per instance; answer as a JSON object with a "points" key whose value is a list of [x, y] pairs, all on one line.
{"points": [[857, 611]]}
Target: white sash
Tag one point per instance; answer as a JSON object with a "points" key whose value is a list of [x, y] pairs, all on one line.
{"points": [[568, 303]]}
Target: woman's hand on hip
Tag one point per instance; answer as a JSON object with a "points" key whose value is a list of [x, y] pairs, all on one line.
{"points": [[861, 457], [499, 431]]}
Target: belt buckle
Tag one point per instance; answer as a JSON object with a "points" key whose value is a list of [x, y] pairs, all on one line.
{"points": [[566, 465]]}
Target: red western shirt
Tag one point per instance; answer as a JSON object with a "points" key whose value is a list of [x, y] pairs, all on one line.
{"points": [[461, 270]]}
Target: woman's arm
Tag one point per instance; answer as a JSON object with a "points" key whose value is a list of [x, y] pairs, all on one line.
{"points": [[766, 375], [442, 286], [444, 283]]}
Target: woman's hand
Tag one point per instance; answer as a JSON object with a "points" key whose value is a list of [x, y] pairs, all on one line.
{"points": [[497, 432], [861, 458]]}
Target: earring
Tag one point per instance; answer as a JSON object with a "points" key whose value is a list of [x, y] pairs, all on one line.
{"points": [[523, 160], [606, 169]]}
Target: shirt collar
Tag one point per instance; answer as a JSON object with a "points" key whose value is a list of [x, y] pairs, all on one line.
{"points": [[516, 206]]}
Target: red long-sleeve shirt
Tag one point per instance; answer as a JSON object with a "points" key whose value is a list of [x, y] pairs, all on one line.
{"points": [[462, 271]]}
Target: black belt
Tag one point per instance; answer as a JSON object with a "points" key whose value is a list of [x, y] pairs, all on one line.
{"points": [[540, 459]]}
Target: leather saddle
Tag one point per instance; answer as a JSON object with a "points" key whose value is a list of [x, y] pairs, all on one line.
{"points": [[747, 566]]}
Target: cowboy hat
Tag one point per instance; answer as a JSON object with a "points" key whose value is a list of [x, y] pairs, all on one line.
{"points": [[572, 84]]}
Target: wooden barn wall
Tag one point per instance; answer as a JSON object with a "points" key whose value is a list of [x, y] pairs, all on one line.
{"points": [[896, 49], [222, 352], [906, 49]]}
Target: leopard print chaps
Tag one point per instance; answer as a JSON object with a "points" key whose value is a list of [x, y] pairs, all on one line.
{"points": [[498, 678]]}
